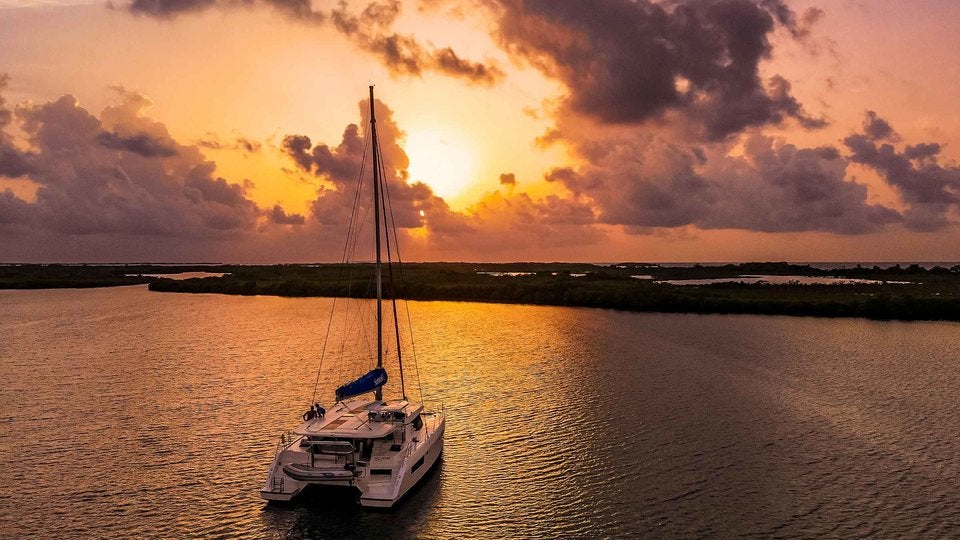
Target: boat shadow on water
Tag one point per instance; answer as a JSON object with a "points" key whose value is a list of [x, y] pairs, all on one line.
{"points": [[335, 512]]}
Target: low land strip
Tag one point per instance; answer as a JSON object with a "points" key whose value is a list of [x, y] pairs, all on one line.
{"points": [[894, 292]]}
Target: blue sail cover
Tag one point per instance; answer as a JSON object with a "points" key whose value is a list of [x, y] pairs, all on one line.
{"points": [[373, 380]]}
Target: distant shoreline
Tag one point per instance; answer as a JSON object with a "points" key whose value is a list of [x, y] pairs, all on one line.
{"points": [[893, 293]]}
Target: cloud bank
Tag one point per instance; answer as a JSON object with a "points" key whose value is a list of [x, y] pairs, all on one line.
{"points": [[119, 183], [117, 174], [626, 61], [930, 190], [664, 113]]}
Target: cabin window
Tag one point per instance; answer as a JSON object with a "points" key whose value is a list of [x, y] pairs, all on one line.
{"points": [[417, 465]]}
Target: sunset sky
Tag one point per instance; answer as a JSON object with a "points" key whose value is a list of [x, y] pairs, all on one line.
{"points": [[673, 130]]}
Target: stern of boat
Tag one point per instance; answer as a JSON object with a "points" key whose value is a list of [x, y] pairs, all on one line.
{"points": [[279, 487], [417, 461]]}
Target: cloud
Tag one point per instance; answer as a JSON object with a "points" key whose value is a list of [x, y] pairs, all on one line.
{"points": [[930, 189], [13, 210], [497, 223], [370, 29], [665, 110], [88, 187], [403, 54], [247, 145], [447, 61], [645, 182], [340, 166], [140, 143], [119, 174], [518, 223], [803, 28], [13, 162], [922, 151], [876, 128], [243, 144], [632, 61], [279, 216], [168, 9], [508, 179]]}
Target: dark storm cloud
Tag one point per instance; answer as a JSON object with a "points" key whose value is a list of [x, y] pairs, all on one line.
{"points": [[647, 183], [930, 189], [13, 210], [169, 8], [369, 28], [279, 216], [5, 114], [404, 55], [166, 9], [120, 174], [627, 61], [922, 150], [140, 143], [298, 147], [242, 144], [676, 64], [298, 9], [13, 161], [447, 61], [876, 128]]}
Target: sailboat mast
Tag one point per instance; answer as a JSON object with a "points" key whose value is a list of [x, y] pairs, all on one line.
{"points": [[376, 227]]}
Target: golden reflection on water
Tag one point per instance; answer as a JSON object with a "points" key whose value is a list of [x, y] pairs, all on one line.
{"points": [[129, 413]]}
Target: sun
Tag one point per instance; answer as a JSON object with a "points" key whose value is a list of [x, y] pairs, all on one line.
{"points": [[440, 159]]}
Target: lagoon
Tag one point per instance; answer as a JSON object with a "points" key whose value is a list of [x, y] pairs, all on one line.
{"points": [[126, 412]]}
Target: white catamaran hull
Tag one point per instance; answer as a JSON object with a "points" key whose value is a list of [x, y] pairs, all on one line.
{"points": [[385, 478], [415, 467]]}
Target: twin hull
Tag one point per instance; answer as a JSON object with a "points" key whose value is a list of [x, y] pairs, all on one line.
{"points": [[382, 473]]}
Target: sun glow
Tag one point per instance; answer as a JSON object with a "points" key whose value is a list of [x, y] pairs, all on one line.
{"points": [[440, 160]]}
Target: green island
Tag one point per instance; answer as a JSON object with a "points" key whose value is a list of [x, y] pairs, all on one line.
{"points": [[911, 292]]}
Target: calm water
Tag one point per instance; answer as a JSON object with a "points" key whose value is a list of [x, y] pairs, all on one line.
{"points": [[128, 413]]}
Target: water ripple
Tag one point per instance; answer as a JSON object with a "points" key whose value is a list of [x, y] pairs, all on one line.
{"points": [[127, 413]]}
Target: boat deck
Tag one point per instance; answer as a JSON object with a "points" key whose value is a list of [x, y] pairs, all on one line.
{"points": [[352, 419]]}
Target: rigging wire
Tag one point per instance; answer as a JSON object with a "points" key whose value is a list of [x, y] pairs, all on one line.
{"points": [[343, 260], [393, 288], [393, 222], [354, 228], [406, 304], [413, 350], [357, 229]]}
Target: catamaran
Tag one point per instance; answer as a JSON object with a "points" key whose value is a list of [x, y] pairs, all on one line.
{"points": [[379, 447]]}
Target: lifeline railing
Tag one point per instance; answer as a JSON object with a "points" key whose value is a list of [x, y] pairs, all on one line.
{"points": [[287, 438]]}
